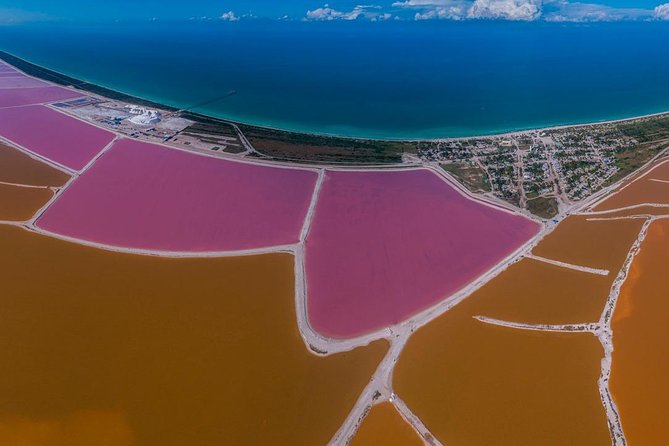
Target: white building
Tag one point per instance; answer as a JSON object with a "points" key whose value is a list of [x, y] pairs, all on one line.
{"points": [[143, 116]]}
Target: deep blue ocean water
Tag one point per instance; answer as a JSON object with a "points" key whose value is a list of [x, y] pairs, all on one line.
{"points": [[390, 80]]}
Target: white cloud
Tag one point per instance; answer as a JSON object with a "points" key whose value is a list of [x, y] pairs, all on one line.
{"points": [[229, 16], [565, 11], [326, 13], [449, 13], [477, 9], [435, 9], [383, 17], [527, 10], [523, 10], [425, 3], [662, 12]]}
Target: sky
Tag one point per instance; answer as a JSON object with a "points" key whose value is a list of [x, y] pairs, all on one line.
{"points": [[21, 11]]}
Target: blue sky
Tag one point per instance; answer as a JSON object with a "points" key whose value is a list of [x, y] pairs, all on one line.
{"points": [[17, 11]]}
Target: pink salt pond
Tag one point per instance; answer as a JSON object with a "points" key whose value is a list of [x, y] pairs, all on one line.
{"points": [[13, 97], [148, 197], [385, 245], [53, 135], [20, 82]]}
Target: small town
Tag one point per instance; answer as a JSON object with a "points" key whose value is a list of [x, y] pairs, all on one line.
{"points": [[547, 171]]}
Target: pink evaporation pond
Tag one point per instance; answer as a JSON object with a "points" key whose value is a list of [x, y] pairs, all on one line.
{"points": [[20, 82], [149, 197], [26, 96], [53, 135], [385, 245]]}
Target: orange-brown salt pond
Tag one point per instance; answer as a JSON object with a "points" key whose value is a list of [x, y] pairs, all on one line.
{"points": [[595, 244], [19, 203], [161, 351], [535, 292], [99, 428], [497, 385], [385, 426], [661, 172], [477, 384], [641, 189], [639, 378], [19, 168]]}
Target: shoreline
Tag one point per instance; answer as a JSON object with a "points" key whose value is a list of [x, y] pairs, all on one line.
{"points": [[48, 74]]}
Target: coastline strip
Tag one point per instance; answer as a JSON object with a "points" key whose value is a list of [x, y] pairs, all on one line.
{"points": [[46, 74]]}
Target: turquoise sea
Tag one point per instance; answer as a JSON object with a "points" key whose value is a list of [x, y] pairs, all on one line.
{"points": [[381, 80]]}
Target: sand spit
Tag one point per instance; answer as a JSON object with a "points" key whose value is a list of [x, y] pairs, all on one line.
{"points": [[182, 351], [584, 269], [645, 209], [575, 328]]}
